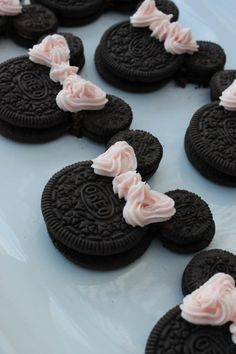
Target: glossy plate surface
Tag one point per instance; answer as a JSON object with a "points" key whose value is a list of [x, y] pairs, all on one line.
{"points": [[48, 305]]}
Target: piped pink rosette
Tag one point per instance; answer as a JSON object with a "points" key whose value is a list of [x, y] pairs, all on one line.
{"points": [[214, 303], [77, 94], [10, 7], [228, 97], [143, 205], [177, 40]]}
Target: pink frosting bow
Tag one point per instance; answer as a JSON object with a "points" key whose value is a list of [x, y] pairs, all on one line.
{"points": [[10, 7], [177, 40], [143, 205], [77, 94], [214, 303]]}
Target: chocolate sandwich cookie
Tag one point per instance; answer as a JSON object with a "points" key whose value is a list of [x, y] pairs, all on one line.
{"points": [[191, 229], [76, 47], [210, 143], [32, 135], [131, 59], [74, 12], [101, 125], [220, 81], [199, 67], [85, 220], [174, 335], [204, 265], [28, 98], [34, 22], [147, 148]]}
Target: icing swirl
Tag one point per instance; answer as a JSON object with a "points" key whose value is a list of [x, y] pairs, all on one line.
{"points": [[145, 206], [123, 182], [160, 29], [212, 303], [228, 97], [179, 40], [78, 94], [59, 72], [52, 50], [10, 7], [147, 13], [118, 159]]}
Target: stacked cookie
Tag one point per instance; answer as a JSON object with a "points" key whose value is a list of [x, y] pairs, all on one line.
{"points": [[25, 24], [210, 142], [143, 54]]}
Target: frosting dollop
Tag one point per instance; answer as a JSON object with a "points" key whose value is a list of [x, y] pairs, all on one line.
{"points": [[118, 159], [212, 303], [123, 182], [145, 206], [52, 50], [78, 94], [10, 7], [147, 13], [179, 40], [160, 29], [59, 72], [228, 97]]}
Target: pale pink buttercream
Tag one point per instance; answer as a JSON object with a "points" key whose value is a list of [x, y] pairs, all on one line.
{"points": [[228, 97], [123, 182], [59, 72], [118, 159], [147, 13], [10, 7], [52, 50], [160, 29], [78, 94], [211, 304], [179, 40], [145, 206]]}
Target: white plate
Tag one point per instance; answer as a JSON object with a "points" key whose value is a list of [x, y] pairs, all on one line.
{"points": [[47, 304]]}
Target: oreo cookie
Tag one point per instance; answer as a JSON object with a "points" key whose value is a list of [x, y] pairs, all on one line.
{"points": [[76, 47], [191, 229], [204, 265], [220, 81], [74, 12], [32, 135], [34, 22], [147, 148], [202, 65], [210, 143], [101, 125], [172, 334], [28, 98], [85, 220], [131, 59]]}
